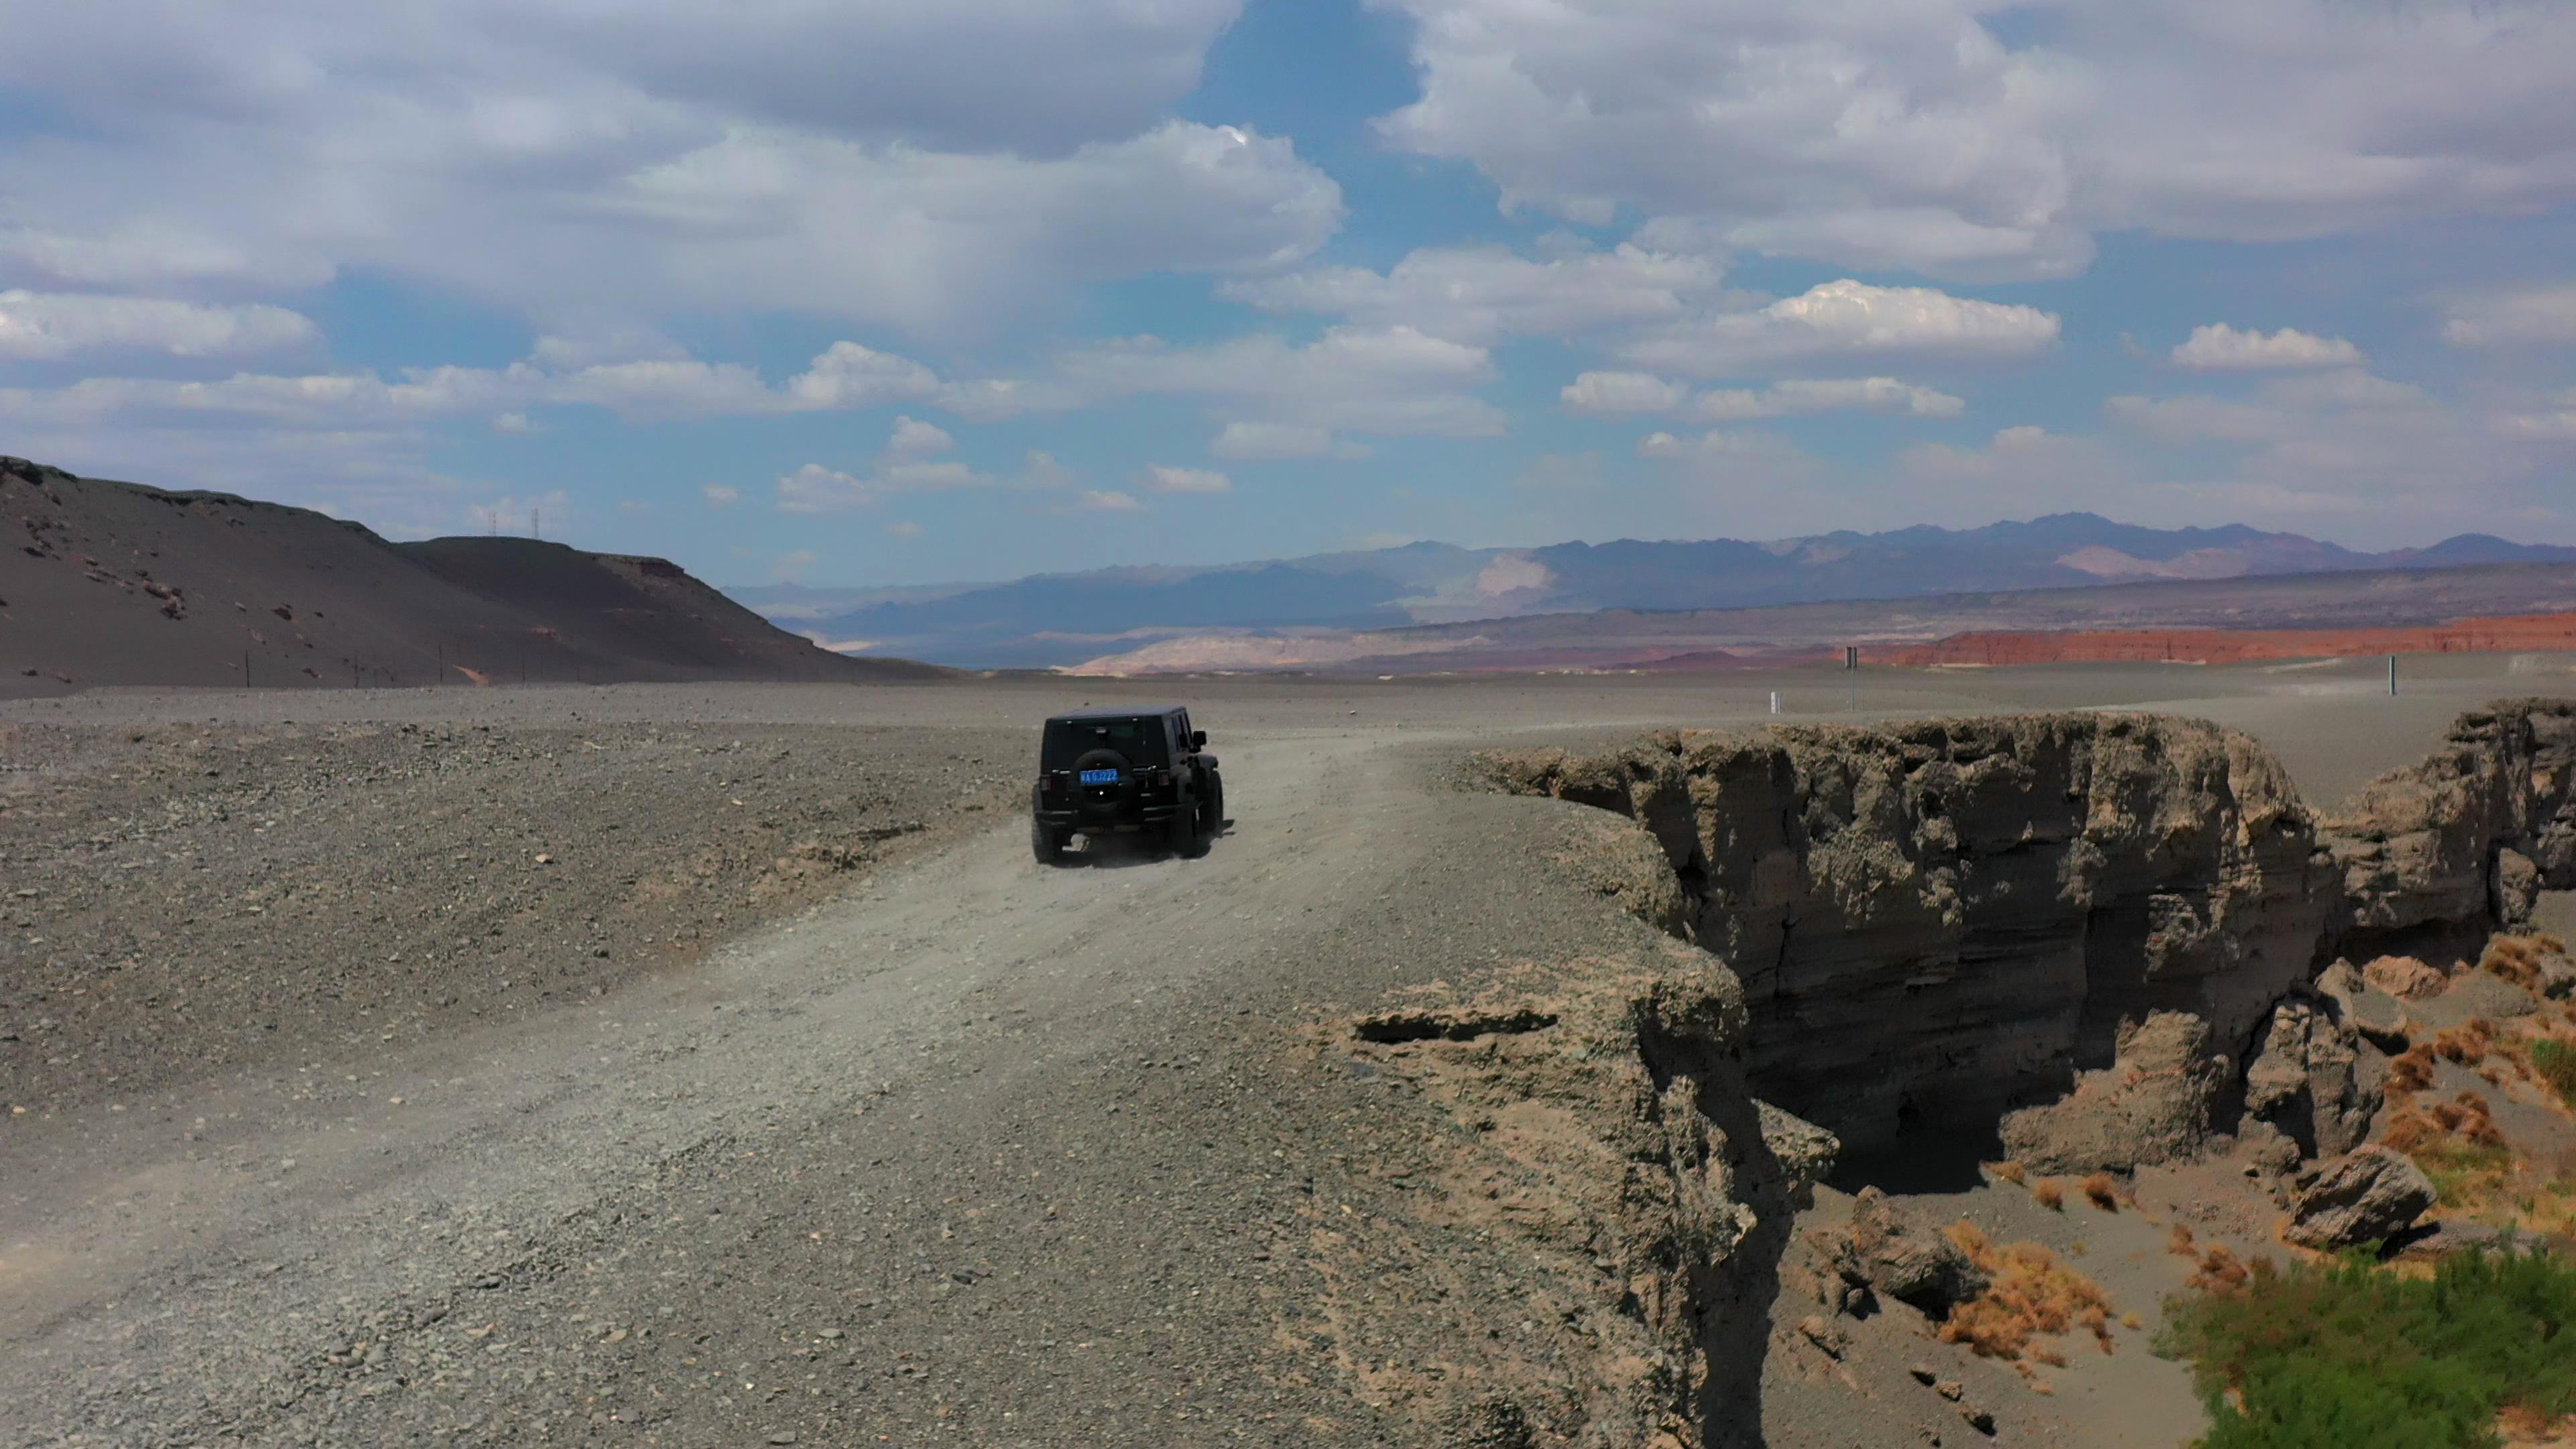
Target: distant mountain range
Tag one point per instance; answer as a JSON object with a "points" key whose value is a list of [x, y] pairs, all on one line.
{"points": [[1068, 619]]}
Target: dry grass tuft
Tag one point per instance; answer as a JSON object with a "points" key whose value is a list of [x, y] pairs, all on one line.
{"points": [[2031, 1294], [2411, 1071], [2467, 1043], [2178, 1241], [2517, 958], [2048, 1195], [2100, 1191], [2006, 1172]]}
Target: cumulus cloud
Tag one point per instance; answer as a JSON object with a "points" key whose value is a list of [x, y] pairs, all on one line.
{"points": [[1618, 394], [1481, 295], [720, 495], [1964, 140], [1826, 395], [1096, 500], [943, 177], [2219, 346], [1185, 480], [914, 438], [1846, 319], [2531, 317], [44, 326]]}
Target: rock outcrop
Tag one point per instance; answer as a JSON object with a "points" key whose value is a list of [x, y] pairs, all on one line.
{"points": [[2473, 833], [2153, 1104], [2315, 1079], [2370, 1196], [1938, 922]]}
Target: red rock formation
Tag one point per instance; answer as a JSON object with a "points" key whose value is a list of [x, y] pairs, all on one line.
{"points": [[2505, 634]]}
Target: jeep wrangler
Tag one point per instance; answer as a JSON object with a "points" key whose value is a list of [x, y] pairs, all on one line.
{"points": [[1125, 771]]}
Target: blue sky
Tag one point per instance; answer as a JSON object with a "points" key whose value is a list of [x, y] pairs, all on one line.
{"points": [[889, 292]]}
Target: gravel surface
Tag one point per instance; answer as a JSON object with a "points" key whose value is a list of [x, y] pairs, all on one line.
{"points": [[943, 1147]]}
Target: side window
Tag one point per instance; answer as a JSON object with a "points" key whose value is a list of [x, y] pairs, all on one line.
{"points": [[1183, 745]]}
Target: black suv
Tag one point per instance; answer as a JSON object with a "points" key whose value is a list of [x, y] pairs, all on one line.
{"points": [[1105, 771]]}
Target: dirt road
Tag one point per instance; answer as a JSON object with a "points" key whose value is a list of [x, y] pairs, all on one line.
{"points": [[978, 1153], [982, 1152]]}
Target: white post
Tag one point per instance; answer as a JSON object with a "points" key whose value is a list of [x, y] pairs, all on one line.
{"points": [[1775, 701]]}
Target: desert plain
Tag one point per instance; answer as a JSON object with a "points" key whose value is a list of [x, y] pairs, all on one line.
{"points": [[711, 1064]]}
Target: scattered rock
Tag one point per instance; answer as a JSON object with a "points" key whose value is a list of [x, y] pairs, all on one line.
{"points": [[1923, 1374], [1495, 1421], [2151, 1105], [1978, 1419], [2405, 978], [1904, 1262], [2379, 1017], [1828, 1338], [2266, 1150], [2370, 1196], [1951, 1389]]}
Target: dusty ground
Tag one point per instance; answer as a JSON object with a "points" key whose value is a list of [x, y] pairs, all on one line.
{"points": [[939, 1148]]}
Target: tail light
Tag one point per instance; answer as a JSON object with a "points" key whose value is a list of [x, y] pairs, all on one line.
{"points": [[1047, 784]]}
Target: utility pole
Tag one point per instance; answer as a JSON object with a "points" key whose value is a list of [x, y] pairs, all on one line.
{"points": [[2392, 676]]}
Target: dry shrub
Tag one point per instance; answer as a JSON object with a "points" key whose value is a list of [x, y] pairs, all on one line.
{"points": [[2513, 958], [2219, 1270], [2030, 1293], [2410, 1130], [2100, 1191], [2048, 1195], [2411, 1070], [2006, 1172], [2466, 1043], [2179, 1241]]}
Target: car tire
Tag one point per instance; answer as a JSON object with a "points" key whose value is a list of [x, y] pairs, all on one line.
{"points": [[1188, 838], [1215, 821], [1046, 842]]}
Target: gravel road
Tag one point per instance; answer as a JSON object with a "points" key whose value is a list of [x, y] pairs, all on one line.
{"points": [[971, 1152]]}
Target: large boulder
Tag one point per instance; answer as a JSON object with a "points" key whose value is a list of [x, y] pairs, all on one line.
{"points": [[2151, 1105], [2378, 1017], [2370, 1196], [2405, 977], [1901, 1260], [2315, 1080]]}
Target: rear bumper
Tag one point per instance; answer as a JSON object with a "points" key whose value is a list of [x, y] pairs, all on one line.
{"points": [[1097, 820]]}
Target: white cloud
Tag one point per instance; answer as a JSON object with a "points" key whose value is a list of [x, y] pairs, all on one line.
{"points": [[1185, 480], [2219, 346], [721, 495], [1394, 381], [914, 438], [1962, 138], [815, 488], [847, 375], [42, 326], [1094, 500], [516, 423], [929, 168], [903, 530], [2532, 317], [1847, 319], [1481, 295], [1259, 442], [1826, 395], [1617, 394]]}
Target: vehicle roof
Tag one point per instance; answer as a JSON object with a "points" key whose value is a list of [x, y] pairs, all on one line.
{"points": [[1132, 712]]}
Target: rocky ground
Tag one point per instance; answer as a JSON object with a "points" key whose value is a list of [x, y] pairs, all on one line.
{"points": [[180, 899], [1388, 1122]]}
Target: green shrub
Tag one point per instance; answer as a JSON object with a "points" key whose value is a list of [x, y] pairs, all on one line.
{"points": [[2555, 1061], [2346, 1356]]}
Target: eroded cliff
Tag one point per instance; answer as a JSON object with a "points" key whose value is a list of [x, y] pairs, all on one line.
{"points": [[1939, 922]]}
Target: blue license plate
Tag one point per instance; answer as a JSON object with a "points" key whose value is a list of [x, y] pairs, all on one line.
{"points": [[1100, 777]]}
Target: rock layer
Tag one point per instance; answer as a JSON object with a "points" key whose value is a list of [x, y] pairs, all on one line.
{"points": [[1940, 922]]}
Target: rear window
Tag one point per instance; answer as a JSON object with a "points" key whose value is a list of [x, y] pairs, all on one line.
{"points": [[1140, 740]]}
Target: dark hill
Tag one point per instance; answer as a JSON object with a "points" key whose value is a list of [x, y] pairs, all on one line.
{"points": [[106, 583]]}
